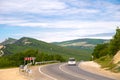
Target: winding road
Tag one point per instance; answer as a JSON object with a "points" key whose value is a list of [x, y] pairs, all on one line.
{"points": [[62, 71]]}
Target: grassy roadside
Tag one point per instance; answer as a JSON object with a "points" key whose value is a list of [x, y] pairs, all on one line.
{"points": [[107, 63]]}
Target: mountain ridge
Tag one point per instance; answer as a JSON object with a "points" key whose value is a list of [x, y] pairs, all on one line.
{"points": [[8, 41], [25, 43], [101, 35], [86, 43]]}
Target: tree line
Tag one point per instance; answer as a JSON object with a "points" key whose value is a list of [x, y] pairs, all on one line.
{"points": [[16, 59], [108, 49]]}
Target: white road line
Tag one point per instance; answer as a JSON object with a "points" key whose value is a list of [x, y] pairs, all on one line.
{"points": [[60, 67], [46, 74]]}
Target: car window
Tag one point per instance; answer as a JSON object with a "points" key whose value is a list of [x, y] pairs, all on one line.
{"points": [[71, 59]]}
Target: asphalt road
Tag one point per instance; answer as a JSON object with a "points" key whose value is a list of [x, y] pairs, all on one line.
{"points": [[62, 71]]}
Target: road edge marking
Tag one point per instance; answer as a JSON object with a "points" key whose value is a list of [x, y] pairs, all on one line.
{"points": [[46, 74]]}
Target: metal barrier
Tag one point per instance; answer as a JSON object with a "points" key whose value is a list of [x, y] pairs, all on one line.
{"points": [[25, 68], [46, 62]]}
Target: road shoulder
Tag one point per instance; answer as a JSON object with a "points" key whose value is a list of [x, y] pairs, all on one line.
{"points": [[11, 74], [95, 68]]}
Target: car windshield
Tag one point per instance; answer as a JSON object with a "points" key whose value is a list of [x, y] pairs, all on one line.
{"points": [[71, 59]]}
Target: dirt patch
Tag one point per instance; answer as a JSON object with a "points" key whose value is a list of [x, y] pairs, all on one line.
{"points": [[95, 68], [116, 58], [11, 74]]}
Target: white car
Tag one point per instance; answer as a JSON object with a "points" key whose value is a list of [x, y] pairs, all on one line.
{"points": [[72, 61]]}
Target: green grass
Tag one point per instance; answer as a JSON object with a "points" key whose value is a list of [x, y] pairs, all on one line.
{"points": [[106, 62]]}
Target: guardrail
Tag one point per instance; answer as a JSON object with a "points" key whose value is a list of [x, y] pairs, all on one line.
{"points": [[46, 62], [26, 68]]}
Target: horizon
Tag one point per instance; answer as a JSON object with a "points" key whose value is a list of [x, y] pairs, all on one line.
{"points": [[59, 20], [56, 41]]}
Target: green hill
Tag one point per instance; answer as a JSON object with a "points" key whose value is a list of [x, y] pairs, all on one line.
{"points": [[82, 44], [8, 41], [48, 48]]}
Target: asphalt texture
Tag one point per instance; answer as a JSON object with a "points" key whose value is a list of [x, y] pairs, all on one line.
{"points": [[62, 71]]}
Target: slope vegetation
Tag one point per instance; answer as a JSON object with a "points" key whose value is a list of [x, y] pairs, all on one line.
{"points": [[82, 44], [30, 43], [108, 54]]}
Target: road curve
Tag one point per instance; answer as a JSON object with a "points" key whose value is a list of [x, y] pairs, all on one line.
{"points": [[62, 71]]}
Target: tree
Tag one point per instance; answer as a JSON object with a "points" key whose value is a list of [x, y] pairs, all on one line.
{"points": [[114, 44], [100, 50]]}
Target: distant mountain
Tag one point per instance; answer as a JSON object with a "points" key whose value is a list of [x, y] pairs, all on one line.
{"points": [[8, 41], [26, 43], [102, 35], [80, 44]]}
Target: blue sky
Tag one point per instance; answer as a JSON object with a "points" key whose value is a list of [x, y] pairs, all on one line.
{"points": [[58, 20]]}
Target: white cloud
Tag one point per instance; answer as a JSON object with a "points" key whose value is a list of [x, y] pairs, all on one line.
{"points": [[49, 36], [93, 25], [33, 6], [11, 21], [81, 16], [61, 35], [80, 8], [43, 6], [71, 24]]}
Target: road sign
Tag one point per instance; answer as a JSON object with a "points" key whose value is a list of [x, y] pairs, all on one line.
{"points": [[28, 58], [31, 59]]}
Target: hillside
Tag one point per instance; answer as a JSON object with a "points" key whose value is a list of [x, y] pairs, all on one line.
{"points": [[82, 44], [8, 41], [30, 43], [107, 55], [116, 58]]}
